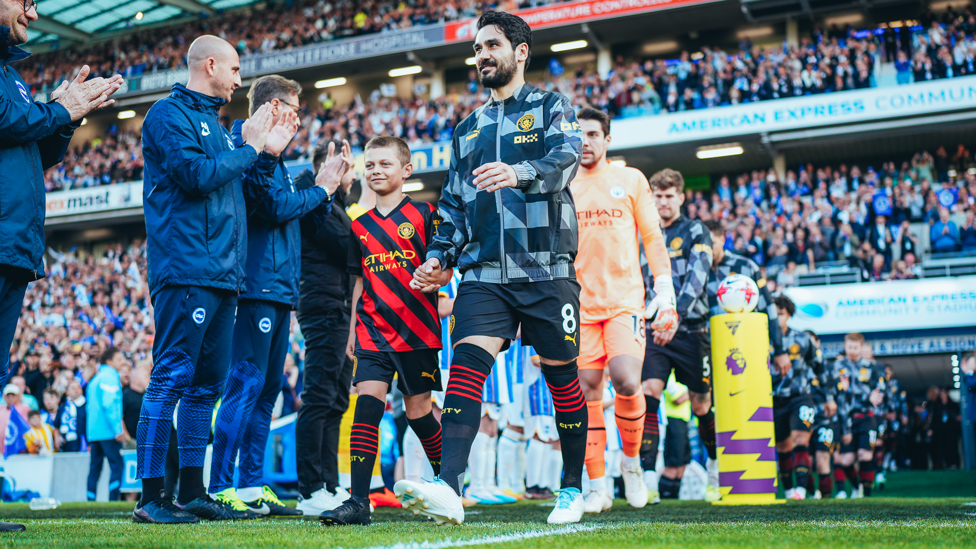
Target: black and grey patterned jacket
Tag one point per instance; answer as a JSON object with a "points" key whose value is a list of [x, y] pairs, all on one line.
{"points": [[805, 358], [865, 376], [690, 248], [525, 234], [736, 264]]}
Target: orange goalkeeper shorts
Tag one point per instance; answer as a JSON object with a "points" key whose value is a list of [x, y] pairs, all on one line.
{"points": [[622, 335]]}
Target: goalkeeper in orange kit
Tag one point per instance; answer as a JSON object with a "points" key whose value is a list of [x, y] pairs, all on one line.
{"points": [[615, 210]]}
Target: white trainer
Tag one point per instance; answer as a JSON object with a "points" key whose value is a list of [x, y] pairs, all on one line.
{"points": [[841, 495], [569, 507], [634, 488], [436, 499], [322, 500], [597, 501], [788, 493], [858, 493], [799, 493], [650, 481], [712, 491], [817, 495]]}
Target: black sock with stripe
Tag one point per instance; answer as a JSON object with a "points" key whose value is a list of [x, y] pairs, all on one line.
{"points": [[461, 415], [428, 430], [571, 419], [652, 437], [364, 442]]}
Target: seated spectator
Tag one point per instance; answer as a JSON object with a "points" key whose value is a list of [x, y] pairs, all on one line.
{"points": [[13, 398], [967, 235], [877, 272], [41, 438], [51, 401], [788, 277], [25, 397], [901, 271], [944, 233]]}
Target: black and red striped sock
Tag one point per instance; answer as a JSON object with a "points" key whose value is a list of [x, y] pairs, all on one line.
{"points": [[428, 430], [840, 477], [851, 473], [706, 430], [826, 486], [652, 434], [571, 419], [364, 442], [801, 464], [461, 415], [867, 476], [785, 469]]}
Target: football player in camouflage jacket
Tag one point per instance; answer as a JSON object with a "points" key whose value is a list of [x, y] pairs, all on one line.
{"points": [[865, 394], [509, 225]]}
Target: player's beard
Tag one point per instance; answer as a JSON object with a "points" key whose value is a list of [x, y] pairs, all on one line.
{"points": [[504, 72]]}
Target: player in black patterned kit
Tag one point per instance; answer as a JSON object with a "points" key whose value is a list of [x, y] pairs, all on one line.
{"points": [[684, 348], [509, 225], [865, 395], [828, 428], [794, 408]]}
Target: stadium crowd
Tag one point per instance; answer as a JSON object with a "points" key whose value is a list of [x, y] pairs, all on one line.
{"points": [[284, 24], [638, 87], [945, 47], [869, 219]]}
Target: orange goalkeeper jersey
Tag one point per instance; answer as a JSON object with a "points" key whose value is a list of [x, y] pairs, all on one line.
{"points": [[615, 210]]}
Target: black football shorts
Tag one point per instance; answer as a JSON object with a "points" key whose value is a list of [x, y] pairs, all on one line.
{"points": [[688, 354], [548, 312], [417, 372]]}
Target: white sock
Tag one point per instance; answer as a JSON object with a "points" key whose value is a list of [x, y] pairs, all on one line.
{"points": [[477, 460], [518, 474], [535, 459], [507, 458], [416, 466], [555, 469], [491, 457], [253, 493], [628, 461]]}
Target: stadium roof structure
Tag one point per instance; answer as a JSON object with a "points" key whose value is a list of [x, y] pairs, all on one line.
{"points": [[85, 20]]}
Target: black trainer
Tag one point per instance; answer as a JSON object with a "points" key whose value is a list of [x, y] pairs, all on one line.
{"points": [[162, 511], [352, 511], [270, 506], [12, 527], [208, 509]]}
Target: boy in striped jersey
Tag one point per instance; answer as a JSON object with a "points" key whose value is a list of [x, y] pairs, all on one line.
{"points": [[395, 330]]}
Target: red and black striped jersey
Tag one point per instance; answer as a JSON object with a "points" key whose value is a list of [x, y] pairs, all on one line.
{"points": [[392, 317]]}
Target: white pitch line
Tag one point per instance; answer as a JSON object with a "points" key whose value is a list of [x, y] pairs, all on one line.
{"points": [[489, 540]]}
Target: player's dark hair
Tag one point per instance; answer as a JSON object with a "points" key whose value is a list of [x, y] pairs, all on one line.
{"points": [[108, 355], [399, 146], [812, 334], [589, 113], [786, 304], [512, 26], [854, 336], [667, 179], [714, 226], [266, 88], [321, 152], [33, 413]]}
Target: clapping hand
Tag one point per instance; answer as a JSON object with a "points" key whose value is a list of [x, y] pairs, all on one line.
{"points": [[79, 97], [256, 128], [282, 133], [334, 168]]}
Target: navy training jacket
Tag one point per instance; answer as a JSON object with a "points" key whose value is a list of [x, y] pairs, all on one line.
{"points": [[274, 234], [193, 191], [33, 137]]}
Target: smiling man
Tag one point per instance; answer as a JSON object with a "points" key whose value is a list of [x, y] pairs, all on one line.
{"points": [[509, 225]]}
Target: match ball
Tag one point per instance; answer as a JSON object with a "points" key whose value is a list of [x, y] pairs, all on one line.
{"points": [[738, 294]]}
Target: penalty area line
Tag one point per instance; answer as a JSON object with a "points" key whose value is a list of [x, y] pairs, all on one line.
{"points": [[491, 540]]}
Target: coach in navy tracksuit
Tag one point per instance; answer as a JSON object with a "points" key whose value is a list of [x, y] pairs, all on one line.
{"points": [[33, 137], [261, 335], [193, 187]]}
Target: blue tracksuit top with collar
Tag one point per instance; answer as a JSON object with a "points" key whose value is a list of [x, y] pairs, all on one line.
{"points": [[33, 137], [103, 396], [274, 235], [193, 193]]}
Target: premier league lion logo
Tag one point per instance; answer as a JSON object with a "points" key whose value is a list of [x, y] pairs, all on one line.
{"points": [[736, 362]]}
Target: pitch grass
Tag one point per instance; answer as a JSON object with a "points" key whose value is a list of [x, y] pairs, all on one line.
{"points": [[929, 518]]}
